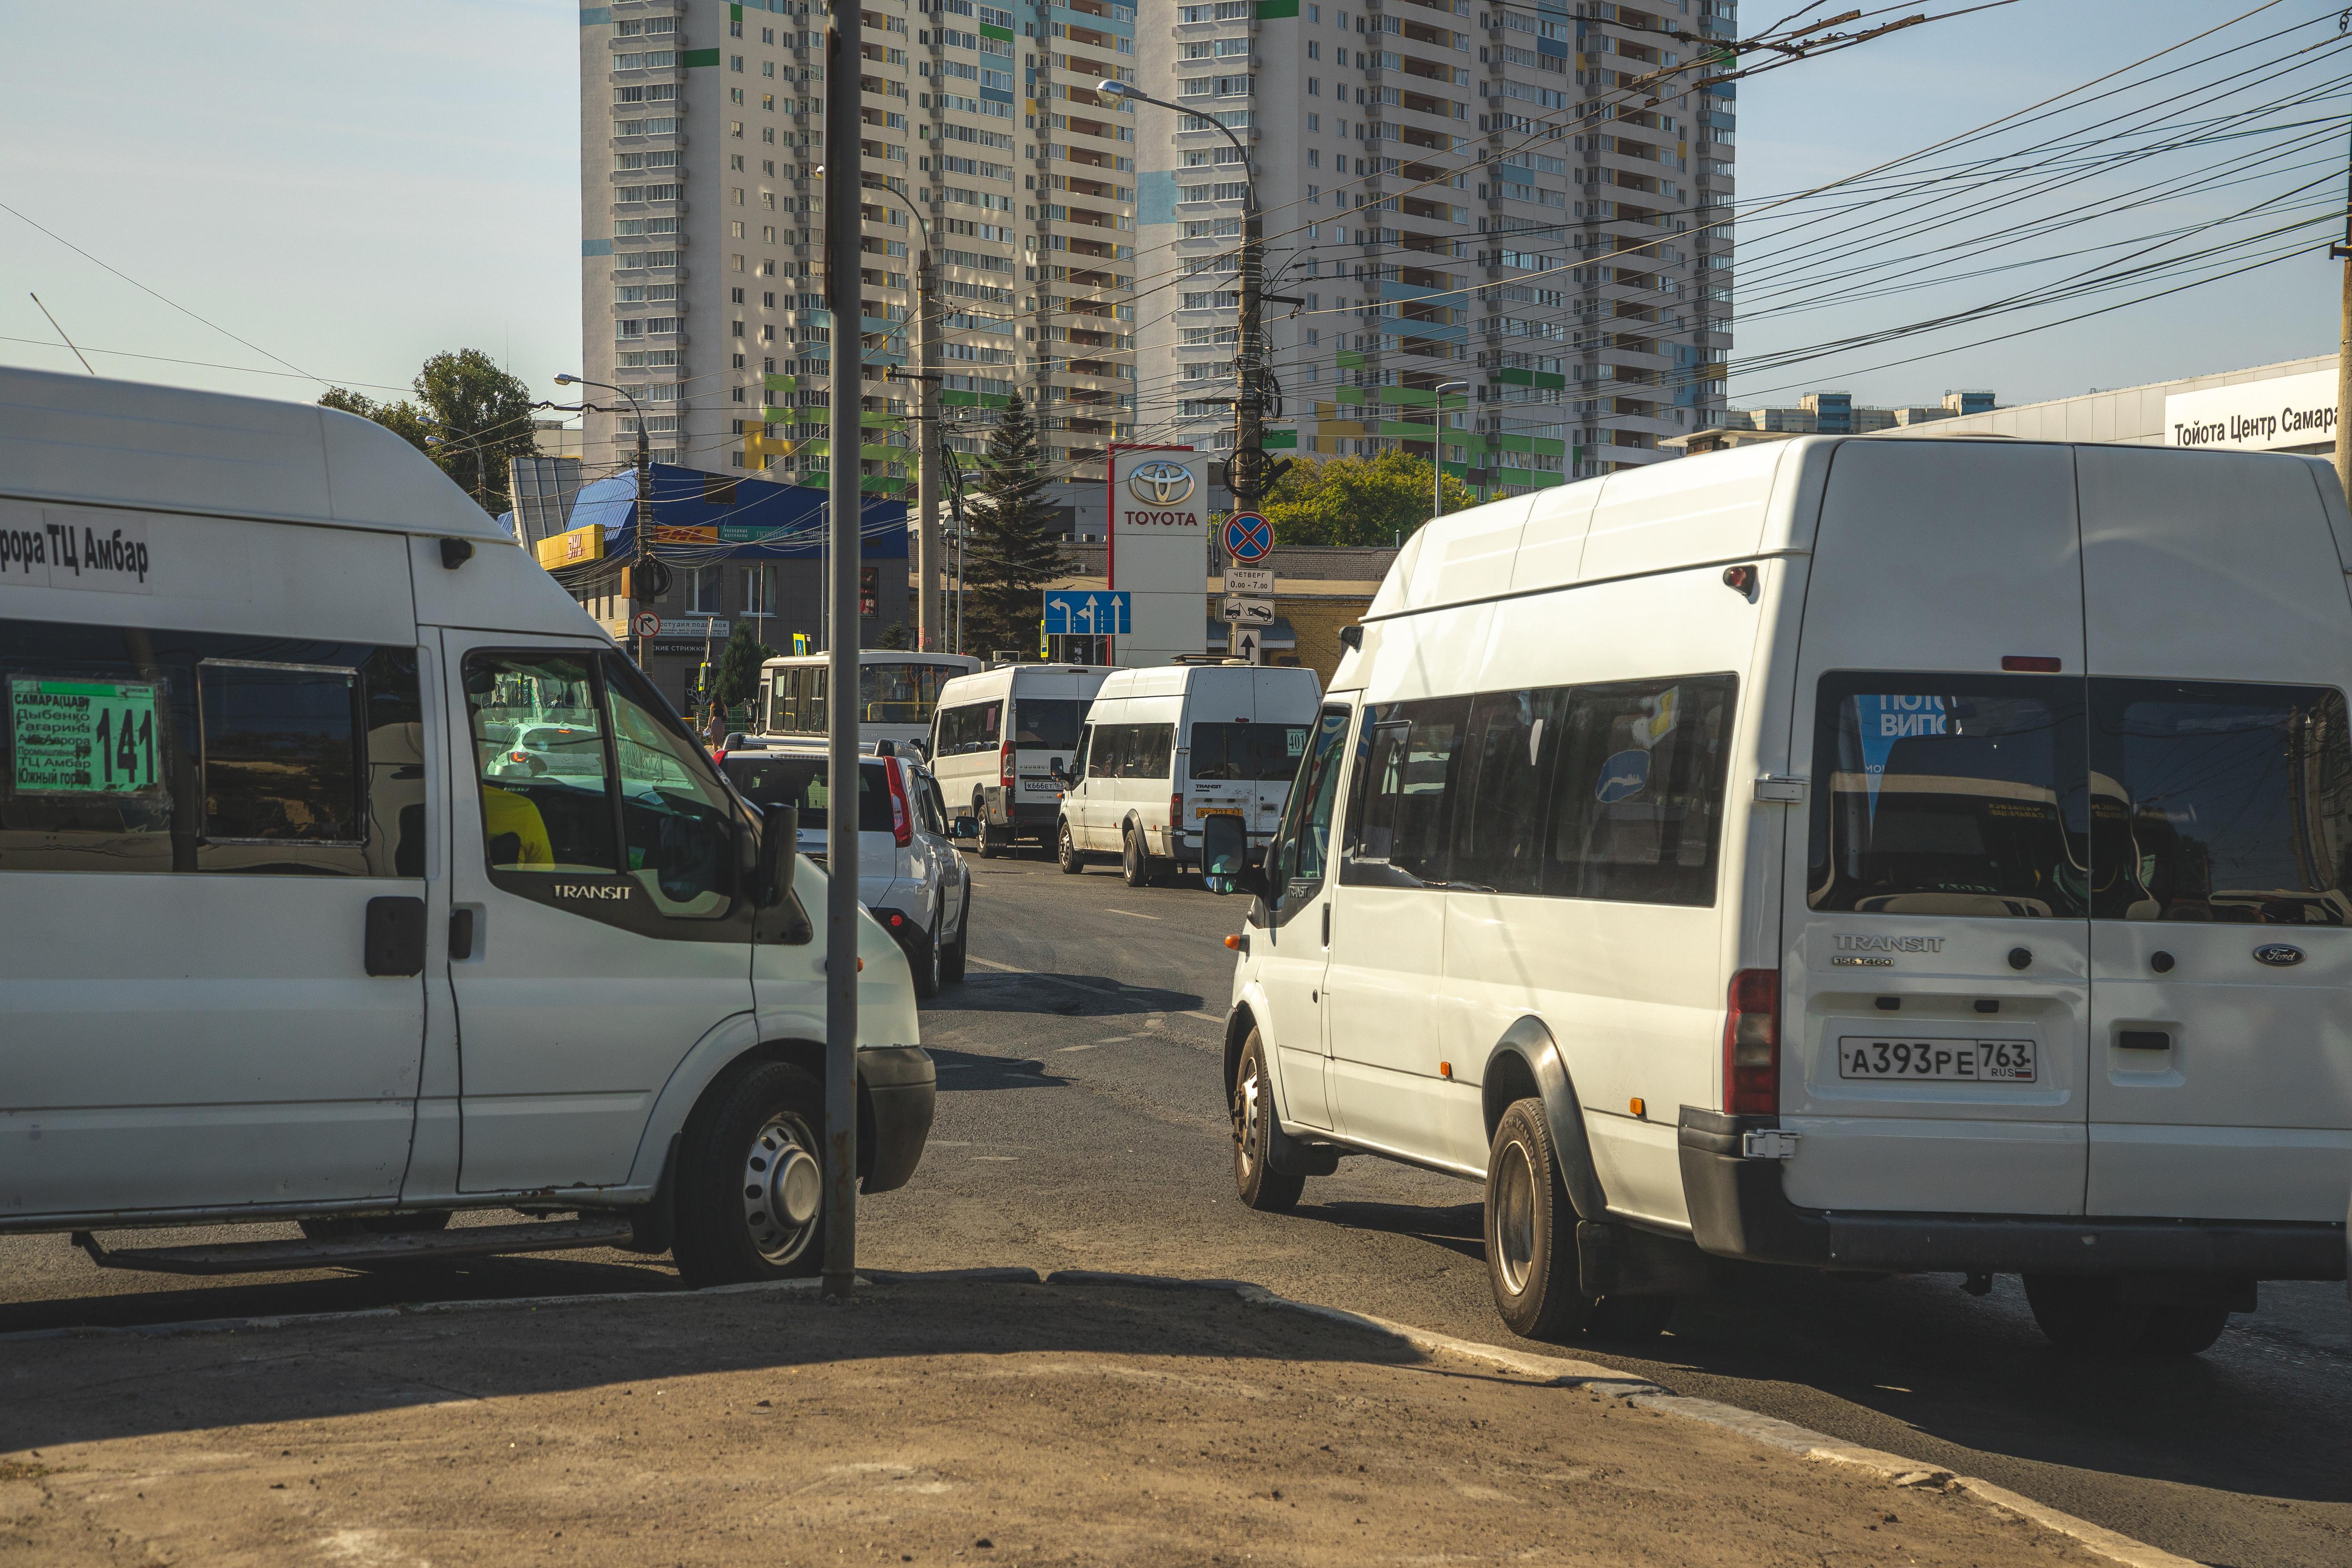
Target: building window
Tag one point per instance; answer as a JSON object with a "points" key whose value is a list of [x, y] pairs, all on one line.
{"points": [[704, 594], [735, 62]]}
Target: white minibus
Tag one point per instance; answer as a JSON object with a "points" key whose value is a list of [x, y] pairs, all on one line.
{"points": [[350, 874], [897, 691], [1001, 738], [1886, 855], [1167, 748]]}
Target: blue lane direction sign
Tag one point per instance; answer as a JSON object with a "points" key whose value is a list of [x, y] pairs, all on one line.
{"points": [[1080, 612], [1248, 538]]}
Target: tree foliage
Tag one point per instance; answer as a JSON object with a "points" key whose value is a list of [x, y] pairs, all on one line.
{"points": [[1357, 501], [469, 416], [1010, 551], [737, 676]]}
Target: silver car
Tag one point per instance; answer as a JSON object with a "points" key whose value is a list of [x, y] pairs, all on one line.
{"points": [[910, 876]]}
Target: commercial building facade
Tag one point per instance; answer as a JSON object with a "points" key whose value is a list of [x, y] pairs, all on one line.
{"points": [[1452, 191], [2284, 407]]}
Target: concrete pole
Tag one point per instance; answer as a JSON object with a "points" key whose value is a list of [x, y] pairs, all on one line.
{"points": [[2344, 378], [844, 298]]}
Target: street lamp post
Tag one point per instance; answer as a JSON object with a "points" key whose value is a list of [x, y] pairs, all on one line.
{"points": [[1246, 475], [644, 550], [481, 467], [927, 477], [1437, 450]]}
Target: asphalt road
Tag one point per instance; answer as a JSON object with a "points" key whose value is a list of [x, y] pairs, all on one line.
{"points": [[1116, 1155]]}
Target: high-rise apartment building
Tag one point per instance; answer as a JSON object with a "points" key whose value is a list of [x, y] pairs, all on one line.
{"points": [[1452, 191], [701, 141]]}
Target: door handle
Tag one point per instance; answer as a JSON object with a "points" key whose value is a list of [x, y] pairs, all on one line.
{"points": [[394, 941], [2143, 1040], [461, 935]]}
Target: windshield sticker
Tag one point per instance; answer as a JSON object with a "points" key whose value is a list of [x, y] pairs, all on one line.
{"points": [[1622, 777], [83, 737], [1297, 737]]}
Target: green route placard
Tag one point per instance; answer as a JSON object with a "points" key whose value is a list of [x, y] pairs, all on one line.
{"points": [[83, 737]]}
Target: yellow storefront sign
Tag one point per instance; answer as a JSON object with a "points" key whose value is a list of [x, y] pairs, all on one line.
{"points": [[571, 549]]}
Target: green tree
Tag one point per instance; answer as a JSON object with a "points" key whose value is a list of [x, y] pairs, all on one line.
{"points": [[738, 680], [470, 417], [1009, 554], [1357, 501]]}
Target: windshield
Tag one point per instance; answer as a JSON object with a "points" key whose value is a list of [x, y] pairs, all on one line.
{"points": [[1244, 750], [800, 782], [1951, 795], [1047, 723]]}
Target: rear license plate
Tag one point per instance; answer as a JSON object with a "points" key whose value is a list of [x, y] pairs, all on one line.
{"points": [[1936, 1061], [1217, 811]]}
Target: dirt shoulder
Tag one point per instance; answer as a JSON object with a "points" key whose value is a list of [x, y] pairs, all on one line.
{"points": [[919, 1422]]}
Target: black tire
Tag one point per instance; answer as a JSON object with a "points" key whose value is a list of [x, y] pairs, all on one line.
{"points": [[927, 963], [1262, 1186], [1134, 865], [989, 847], [1066, 853], [745, 1166], [1531, 1230], [952, 961], [2182, 1329], [344, 1227], [2084, 1314]]}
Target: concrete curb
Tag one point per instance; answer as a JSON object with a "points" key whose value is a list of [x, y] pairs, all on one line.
{"points": [[1555, 1371]]}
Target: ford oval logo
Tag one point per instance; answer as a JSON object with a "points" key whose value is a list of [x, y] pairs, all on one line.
{"points": [[2278, 954], [1160, 482]]}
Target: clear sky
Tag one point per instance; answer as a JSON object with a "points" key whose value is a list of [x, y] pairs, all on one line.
{"points": [[353, 188]]}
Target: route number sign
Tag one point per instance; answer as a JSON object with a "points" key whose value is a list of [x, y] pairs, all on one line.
{"points": [[83, 737]]}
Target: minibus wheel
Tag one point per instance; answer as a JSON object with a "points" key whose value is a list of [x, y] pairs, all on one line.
{"points": [[1531, 1230], [1134, 865], [1066, 853], [750, 1181], [2086, 1314], [988, 845], [1263, 1187]]}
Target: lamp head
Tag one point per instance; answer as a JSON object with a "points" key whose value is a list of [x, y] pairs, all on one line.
{"points": [[567, 381], [1117, 89]]}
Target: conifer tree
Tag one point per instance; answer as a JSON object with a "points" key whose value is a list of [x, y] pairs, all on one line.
{"points": [[1010, 555]]}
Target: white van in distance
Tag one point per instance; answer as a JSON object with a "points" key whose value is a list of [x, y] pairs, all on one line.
{"points": [[1883, 854], [1000, 740], [1165, 749], [348, 873]]}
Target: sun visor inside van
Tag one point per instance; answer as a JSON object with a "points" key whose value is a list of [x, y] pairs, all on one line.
{"points": [[118, 443]]}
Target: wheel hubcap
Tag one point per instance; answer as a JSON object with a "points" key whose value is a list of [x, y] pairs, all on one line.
{"points": [[783, 1189], [1514, 1218], [1246, 1114]]}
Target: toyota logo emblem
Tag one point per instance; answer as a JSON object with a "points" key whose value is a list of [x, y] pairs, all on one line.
{"points": [[1160, 482]]}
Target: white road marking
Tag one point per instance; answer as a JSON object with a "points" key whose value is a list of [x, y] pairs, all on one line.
{"points": [[1130, 914]]}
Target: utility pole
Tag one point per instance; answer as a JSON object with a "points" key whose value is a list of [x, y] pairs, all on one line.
{"points": [[1437, 450], [2343, 253], [927, 475], [843, 191]]}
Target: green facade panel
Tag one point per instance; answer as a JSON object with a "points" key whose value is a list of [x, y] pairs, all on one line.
{"points": [[693, 57], [1278, 10]]}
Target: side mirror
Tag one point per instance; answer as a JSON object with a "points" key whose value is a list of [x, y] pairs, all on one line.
{"points": [[964, 827], [780, 842], [1225, 857], [1054, 770]]}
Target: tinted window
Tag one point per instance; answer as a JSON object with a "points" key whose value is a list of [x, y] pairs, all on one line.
{"points": [[545, 808], [1245, 751], [800, 781], [1637, 792], [1151, 749], [1049, 723], [1498, 829], [280, 751], [316, 747], [970, 728], [1949, 796], [1398, 816], [2223, 803]]}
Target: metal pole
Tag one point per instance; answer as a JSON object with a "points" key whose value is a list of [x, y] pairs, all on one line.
{"points": [[843, 299], [927, 482], [1437, 450]]}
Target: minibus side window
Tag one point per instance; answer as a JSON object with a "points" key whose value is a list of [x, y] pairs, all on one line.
{"points": [[1151, 749], [539, 752], [1498, 829], [1952, 795], [2219, 801], [131, 749], [1300, 847], [1637, 796], [1108, 760], [1398, 813]]}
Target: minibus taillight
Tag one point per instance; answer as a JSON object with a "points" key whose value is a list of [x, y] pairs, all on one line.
{"points": [[1175, 811], [1751, 1045], [1005, 774], [902, 821]]}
